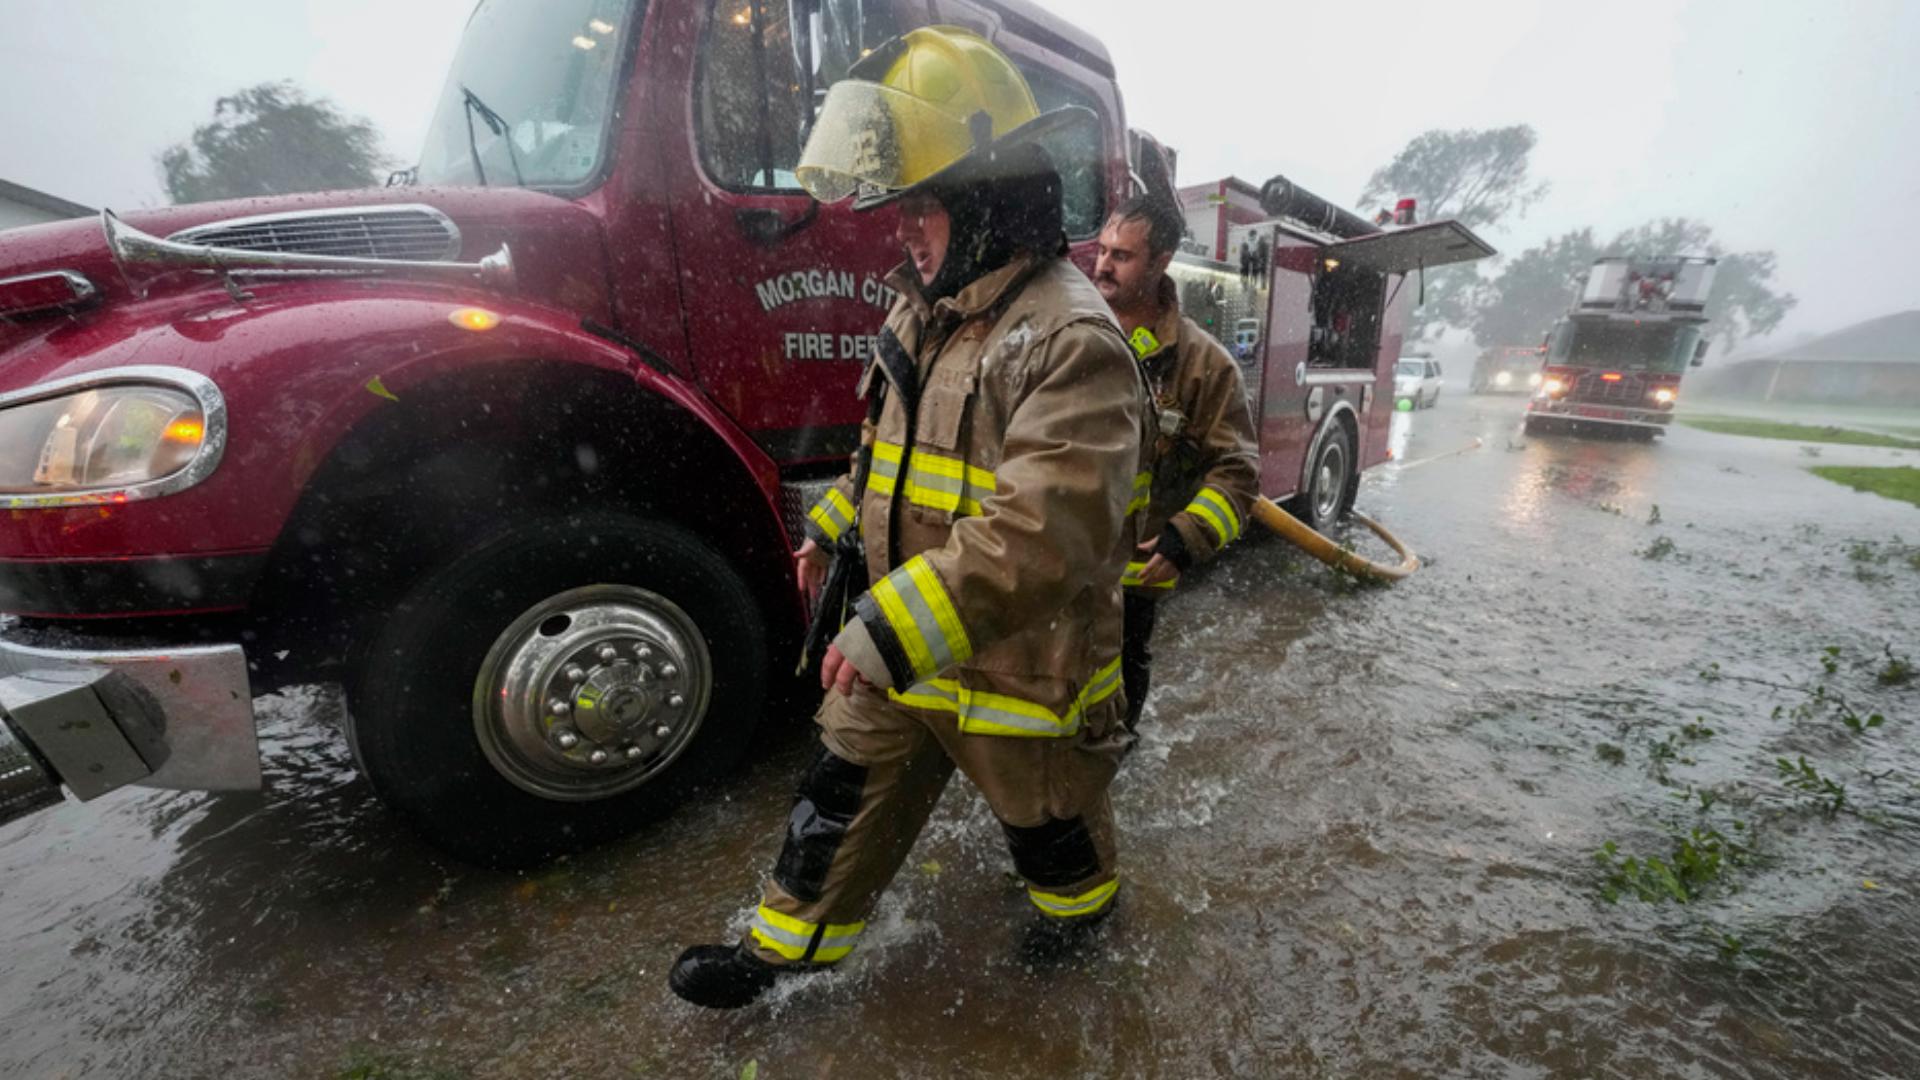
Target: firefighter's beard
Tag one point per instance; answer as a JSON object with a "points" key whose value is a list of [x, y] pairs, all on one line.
{"points": [[1134, 295]]}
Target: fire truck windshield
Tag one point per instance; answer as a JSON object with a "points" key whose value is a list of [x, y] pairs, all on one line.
{"points": [[1623, 345], [530, 97]]}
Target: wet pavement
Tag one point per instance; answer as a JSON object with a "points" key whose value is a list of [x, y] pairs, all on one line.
{"points": [[1358, 841]]}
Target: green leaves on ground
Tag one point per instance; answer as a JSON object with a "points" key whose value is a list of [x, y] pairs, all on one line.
{"points": [[1699, 859]]}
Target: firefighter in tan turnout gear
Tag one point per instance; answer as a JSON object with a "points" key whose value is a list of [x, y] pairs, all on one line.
{"points": [[1206, 466], [992, 510]]}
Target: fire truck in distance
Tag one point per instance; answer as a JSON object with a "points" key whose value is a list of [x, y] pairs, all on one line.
{"points": [[1507, 369], [1616, 359], [515, 450]]}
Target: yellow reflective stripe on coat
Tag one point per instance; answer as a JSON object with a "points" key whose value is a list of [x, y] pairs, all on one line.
{"points": [[1069, 907], [933, 480], [983, 712], [922, 616], [1213, 508], [1131, 579], [1142, 493], [833, 513], [791, 937]]}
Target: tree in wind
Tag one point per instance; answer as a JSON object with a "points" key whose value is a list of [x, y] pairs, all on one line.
{"points": [[1476, 177], [272, 139]]}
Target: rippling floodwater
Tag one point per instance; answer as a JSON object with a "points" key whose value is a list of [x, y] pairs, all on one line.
{"points": [[1358, 840]]}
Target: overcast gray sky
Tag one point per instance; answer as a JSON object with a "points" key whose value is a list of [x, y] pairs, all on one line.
{"points": [[1786, 125]]}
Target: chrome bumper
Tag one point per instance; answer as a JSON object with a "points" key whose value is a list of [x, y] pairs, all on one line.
{"points": [[100, 719], [1592, 413]]}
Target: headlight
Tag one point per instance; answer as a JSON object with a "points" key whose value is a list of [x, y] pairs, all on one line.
{"points": [[1533, 379], [1552, 386], [1502, 379], [1664, 396], [107, 439]]}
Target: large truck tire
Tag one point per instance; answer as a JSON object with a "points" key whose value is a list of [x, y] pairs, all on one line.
{"points": [[557, 685], [1332, 481]]}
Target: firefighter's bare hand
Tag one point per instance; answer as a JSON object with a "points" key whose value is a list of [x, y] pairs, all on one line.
{"points": [[838, 673], [810, 570], [1158, 569]]}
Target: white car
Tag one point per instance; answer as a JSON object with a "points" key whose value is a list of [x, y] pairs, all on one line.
{"points": [[1417, 379]]}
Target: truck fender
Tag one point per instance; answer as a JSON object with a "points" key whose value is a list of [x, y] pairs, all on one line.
{"points": [[530, 332]]}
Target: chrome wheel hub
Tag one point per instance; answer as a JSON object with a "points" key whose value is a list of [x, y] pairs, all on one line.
{"points": [[592, 692], [1329, 481]]}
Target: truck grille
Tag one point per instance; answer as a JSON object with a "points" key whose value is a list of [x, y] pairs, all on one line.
{"points": [[410, 233], [1630, 390]]}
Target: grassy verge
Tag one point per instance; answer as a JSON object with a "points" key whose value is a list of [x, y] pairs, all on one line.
{"points": [[1774, 429], [1898, 482]]}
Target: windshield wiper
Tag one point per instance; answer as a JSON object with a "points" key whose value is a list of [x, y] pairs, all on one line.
{"points": [[496, 124]]}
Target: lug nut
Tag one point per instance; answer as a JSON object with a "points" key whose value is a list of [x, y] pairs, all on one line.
{"points": [[608, 654], [662, 731], [644, 652], [576, 673], [668, 671], [674, 701], [598, 757], [634, 753], [559, 708], [567, 740]]}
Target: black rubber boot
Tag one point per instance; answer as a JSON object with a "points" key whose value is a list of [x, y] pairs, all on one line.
{"points": [[721, 976], [1048, 941]]}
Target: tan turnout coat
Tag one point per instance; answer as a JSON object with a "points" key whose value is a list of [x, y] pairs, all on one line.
{"points": [[1013, 515], [1206, 462]]}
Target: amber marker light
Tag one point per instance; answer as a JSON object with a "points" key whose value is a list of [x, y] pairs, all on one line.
{"points": [[186, 431], [473, 318]]}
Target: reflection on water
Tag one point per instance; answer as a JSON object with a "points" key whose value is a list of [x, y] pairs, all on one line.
{"points": [[1357, 841]]}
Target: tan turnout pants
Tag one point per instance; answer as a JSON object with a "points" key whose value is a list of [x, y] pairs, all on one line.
{"points": [[868, 794]]}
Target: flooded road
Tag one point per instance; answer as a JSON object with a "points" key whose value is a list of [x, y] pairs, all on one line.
{"points": [[1358, 841]]}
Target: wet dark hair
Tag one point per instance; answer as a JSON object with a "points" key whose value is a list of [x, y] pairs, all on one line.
{"points": [[1005, 205], [1166, 224]]}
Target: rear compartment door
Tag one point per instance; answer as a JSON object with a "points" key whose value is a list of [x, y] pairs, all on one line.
{"points": [[1412, 249]]}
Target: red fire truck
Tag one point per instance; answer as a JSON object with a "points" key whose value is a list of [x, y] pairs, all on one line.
{"points": [[515, 449], [1615, 360]]}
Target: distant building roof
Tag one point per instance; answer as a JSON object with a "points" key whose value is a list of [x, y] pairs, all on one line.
{"points": [[40, 200], [1893, 337]]}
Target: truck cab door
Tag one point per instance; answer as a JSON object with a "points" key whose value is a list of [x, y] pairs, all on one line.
{"points": [[782, 299]]}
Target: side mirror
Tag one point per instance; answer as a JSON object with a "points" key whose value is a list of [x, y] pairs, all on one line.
{"points": [[1700, 353]]}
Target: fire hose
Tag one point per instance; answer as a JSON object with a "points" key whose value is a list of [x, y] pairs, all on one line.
{"points": [[1345, 558], [1327, 551]]}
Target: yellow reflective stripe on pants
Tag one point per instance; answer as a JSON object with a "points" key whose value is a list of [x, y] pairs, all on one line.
{"points": [[791, 937], [922, 615], [1131, 578], [933, 480], [1213, 508], [833, 513], [1069, 907], [1142, 492], [982, 712]]}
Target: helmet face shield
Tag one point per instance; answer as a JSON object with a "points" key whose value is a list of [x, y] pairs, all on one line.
{"points": [[874, 135]]}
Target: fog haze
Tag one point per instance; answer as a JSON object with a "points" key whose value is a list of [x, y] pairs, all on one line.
{"points": [[1790, 126]]}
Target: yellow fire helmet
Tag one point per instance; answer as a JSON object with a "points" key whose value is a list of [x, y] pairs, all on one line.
{"points": [[917, 108]]}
